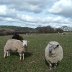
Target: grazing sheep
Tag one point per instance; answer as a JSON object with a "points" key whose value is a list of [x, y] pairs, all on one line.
{"points": [[63, 33], [53, 53], [25, 44], [14, 46]]}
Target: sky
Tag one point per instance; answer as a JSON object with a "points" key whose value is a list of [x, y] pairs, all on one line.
{"points": [[35, 13]]}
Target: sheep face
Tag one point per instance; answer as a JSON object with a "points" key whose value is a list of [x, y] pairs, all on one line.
{"points": [[25, 44], [52, 49]]}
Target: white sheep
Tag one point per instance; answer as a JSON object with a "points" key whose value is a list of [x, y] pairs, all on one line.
{"points": [[14, 46], [53, 53], [25, 44]]}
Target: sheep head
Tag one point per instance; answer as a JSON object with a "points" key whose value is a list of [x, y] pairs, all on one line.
{"points": [[52, 47]]}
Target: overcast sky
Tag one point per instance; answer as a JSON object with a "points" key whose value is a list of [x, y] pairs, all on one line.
{"points": [[34, 13]]}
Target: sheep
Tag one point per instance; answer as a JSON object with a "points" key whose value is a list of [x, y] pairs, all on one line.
{"points": [[25, 44], [13, 45], [53, 53], [63, 33], [17, 36]]}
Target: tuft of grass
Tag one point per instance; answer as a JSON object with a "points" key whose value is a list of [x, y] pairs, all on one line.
{"points": [[35, 62]]}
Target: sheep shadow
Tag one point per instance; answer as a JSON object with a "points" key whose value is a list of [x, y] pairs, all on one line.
{"points": [[27, 54], [14, 54]]}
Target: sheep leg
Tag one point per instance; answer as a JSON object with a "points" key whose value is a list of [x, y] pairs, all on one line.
{"points": [[8, 53], [20, 56], [55, 65], [23, 56], [5, 53], [50, 65]]}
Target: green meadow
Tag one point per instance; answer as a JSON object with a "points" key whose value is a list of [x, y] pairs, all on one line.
{"points": [[34, 60]]}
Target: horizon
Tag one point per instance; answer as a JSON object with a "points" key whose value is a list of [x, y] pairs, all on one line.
{"points": [[35, 13], [35, 27]]}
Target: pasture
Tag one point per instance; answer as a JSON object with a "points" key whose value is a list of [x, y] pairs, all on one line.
{"points": [[34, 61]]}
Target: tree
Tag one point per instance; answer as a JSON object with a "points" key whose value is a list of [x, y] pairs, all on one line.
{"points": [[59, 30]]}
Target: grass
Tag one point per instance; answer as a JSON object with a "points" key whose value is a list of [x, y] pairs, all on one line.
{"points": [[35, 62]]}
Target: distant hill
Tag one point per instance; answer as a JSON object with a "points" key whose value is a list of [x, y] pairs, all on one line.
{"points": [[8, 27], [16, 28], [7, 30]]}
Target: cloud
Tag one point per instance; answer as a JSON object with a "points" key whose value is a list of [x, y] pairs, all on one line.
{"points": [[62, 7], [30, 21], [6, 1], [26, 18], [3, 9], [33, 13], [35, 6], [54, 21], [10, 19]]}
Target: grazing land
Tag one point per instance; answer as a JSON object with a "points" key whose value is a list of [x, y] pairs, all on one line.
{"points": [[34, 60]]}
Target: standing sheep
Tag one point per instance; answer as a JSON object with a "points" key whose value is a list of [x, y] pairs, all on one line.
{"points": [[14, 46], [53, 53]]}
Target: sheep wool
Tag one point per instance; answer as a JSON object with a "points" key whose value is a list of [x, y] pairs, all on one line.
{"points": [[14, 46], [25, 44], [53, 52]]}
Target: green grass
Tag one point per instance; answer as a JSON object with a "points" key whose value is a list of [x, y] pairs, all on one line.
{"points": [[36, 62]]}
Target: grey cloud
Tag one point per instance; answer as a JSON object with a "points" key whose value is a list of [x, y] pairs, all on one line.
{"points": [[35, 6], [8, 15], [59, 8], [6, 2], [66, 13], [43, 21]]}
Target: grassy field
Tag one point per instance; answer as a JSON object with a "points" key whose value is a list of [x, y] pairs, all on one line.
{"points": [[34, 61]]}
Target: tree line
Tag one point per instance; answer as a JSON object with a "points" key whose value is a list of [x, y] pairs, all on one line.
{"points": [[9, 30]]}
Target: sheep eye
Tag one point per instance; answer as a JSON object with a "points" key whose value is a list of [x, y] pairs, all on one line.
{"points": [[57, 45]]}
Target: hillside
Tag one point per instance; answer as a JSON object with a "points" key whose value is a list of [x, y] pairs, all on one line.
{"points": [[16, 28]]}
